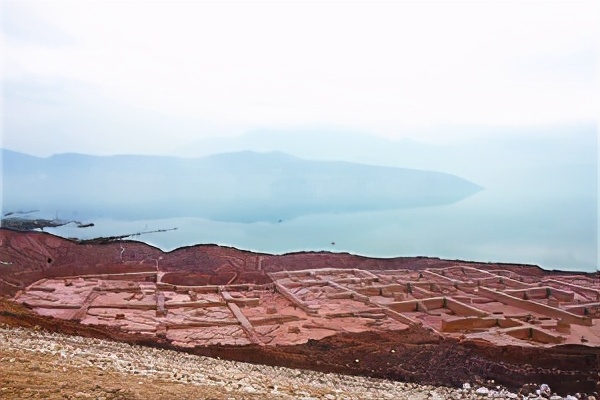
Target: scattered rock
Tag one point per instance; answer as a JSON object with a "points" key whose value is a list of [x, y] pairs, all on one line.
{"points": [[545, 390], [482, 390], [249, 389]]}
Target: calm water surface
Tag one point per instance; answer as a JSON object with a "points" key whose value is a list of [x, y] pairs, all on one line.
{"points": [[553, 232]]}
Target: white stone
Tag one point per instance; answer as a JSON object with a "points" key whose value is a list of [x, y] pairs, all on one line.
{"points": [[466, 386], [249, 389], [545, 389], [482, 390]]}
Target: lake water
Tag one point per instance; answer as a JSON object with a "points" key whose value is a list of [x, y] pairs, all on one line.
{"points": [[493, 225]]}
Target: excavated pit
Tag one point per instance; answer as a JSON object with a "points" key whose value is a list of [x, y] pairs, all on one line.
{"points": [[412, 319]]}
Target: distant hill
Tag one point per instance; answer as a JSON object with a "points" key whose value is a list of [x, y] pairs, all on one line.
{"points": [[239, 187], [479, 154]]}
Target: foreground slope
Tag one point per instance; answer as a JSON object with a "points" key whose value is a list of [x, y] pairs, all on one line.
{"points": [[411, 319], [35, 363]]}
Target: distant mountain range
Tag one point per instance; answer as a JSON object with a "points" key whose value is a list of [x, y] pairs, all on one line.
{"points": [[243, 186], [480, 155]]}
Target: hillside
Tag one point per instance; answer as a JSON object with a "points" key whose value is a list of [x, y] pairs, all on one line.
{"points": [[37, 364], [425, 320], [236, 187]]}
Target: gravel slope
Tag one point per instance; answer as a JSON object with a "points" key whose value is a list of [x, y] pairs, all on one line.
{"points": [[35, 363]]}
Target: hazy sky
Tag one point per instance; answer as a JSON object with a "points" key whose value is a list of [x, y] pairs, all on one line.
{"points": [[144, 77]]}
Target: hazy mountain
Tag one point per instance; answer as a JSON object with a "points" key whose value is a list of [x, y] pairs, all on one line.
{"points": [[480, 154], [315, 144], [241, 187]]}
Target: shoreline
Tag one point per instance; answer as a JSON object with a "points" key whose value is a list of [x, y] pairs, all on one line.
{"points": [[126, 239]]}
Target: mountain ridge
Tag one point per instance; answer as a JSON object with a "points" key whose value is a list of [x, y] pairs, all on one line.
{"points": [[236, 187]]}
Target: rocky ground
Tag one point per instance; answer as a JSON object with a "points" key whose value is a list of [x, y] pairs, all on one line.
{"points": [[38, 364]]}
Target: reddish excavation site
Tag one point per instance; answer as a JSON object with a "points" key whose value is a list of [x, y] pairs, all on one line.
{"points": [[416, 319]]}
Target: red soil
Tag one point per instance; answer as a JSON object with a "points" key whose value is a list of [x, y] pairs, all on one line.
{"points": [[416, 319]]}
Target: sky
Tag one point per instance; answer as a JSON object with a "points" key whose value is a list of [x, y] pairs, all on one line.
{"points": [[139, 77]]}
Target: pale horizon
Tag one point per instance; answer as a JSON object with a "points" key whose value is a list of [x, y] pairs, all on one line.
{"points": [[149, 77]]}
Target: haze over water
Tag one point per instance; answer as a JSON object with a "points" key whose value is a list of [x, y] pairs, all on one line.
{"points": [[540, 208], [502, 94]]}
